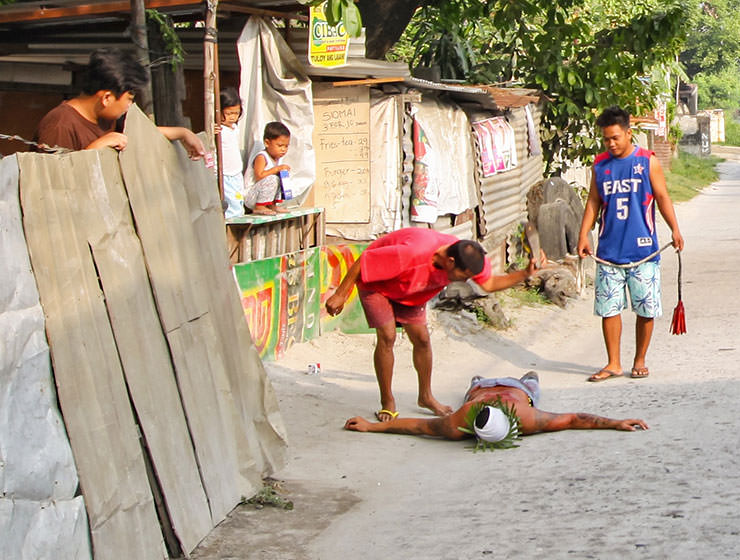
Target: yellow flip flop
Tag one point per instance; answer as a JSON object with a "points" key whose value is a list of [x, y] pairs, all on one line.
{"points": [[384, 411]]}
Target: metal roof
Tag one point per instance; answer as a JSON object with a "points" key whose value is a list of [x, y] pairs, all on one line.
{"points": [[57, 33], [30, 14]]}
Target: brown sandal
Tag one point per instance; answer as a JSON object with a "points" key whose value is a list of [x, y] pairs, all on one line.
{"points": [[639, 372], [604, 374]]}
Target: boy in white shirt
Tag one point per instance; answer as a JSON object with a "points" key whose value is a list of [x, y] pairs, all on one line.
{"points": [[264, 183]]}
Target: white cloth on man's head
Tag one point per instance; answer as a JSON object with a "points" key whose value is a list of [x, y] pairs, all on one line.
{"points": [[491, 424]]}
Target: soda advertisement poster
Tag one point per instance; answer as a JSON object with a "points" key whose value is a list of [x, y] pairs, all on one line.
{"points": [[327, 45]]}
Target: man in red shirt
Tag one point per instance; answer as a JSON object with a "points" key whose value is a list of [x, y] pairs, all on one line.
{"points": [[395, 277]]}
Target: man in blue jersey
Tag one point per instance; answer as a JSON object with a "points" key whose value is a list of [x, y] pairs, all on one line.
{"points": [[626, 184]]}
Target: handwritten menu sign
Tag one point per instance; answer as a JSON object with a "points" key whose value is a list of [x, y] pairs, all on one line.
{"points": [[341, 140]]}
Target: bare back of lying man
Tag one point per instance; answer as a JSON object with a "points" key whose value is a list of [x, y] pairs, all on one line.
{"points": [[519, 395]]}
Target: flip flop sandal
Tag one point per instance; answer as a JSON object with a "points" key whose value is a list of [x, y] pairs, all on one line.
{"points": [[599, 375], [639, 372], [384, 411]]}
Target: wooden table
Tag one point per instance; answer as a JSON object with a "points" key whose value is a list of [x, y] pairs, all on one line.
{"points": [[256, 236]]}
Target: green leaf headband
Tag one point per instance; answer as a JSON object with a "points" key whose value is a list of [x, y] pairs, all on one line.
{"points": [[507, 442]]}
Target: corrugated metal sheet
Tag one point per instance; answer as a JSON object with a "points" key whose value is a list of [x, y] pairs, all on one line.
{"points": [[504, 195], [148, 340], [40, 515], [465, 230]]}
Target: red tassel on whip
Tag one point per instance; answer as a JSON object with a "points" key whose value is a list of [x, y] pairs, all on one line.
{"points": [[678, 324]]}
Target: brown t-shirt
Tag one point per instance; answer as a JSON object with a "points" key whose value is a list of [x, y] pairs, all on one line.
{"points": [[63, 126]]}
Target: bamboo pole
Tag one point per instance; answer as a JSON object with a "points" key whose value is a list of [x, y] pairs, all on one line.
{"points": [[212, 104]]}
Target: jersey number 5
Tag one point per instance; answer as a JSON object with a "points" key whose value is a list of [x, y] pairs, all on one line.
{"points": [[623, 209]]}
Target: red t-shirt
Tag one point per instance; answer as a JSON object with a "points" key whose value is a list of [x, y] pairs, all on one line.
{"points": [[399, 266]]}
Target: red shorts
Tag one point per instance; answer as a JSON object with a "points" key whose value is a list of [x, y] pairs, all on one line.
{"points": [[379, 310]]}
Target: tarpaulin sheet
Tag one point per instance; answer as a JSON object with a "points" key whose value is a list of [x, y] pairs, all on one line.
{"points": [[40, 517], [275, 87], [448, 157]]}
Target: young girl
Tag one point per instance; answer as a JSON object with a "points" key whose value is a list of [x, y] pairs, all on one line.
{"points": [[231, 158], [264, 183]]}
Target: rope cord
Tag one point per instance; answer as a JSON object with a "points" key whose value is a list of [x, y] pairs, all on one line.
{"points": [[53, 150], [638, 263]]}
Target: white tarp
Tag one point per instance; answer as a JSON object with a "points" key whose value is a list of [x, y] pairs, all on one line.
{"points": [[40, 517], [385, 165], [450, 171], [275, 87]]}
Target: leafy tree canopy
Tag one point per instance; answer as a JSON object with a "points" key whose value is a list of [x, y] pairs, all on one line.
{"points": [[720, 90], [583, 54], [344, 11], [713, 45]]}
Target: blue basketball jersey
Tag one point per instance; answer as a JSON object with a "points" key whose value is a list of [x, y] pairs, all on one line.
{"points": [[627, 221]]}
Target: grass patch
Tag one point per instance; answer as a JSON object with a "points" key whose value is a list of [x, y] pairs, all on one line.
{"points": [[268, 496], [530, 297], [732, 132], [689, 174], [480, 314]]}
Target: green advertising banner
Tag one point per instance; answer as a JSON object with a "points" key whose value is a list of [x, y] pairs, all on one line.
{"points": [[283, 297], [280, 297], [335, 262]]}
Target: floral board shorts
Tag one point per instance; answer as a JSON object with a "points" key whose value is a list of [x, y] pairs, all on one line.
{"points": [[611, 285]]}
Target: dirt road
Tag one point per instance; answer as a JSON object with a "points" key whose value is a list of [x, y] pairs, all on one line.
{"points": [[669, 492]]}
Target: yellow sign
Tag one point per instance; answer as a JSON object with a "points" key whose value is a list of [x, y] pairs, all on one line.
{"points": [[327, 45]]}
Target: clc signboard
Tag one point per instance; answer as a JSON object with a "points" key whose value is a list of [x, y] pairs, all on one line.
{"points": [[327, 45]]}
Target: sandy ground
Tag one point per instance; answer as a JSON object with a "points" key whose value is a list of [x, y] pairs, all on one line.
{"points": [[669, 492]]}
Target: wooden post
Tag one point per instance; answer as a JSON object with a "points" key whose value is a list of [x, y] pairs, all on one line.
{"points": [[212, 104], [141, 47]]}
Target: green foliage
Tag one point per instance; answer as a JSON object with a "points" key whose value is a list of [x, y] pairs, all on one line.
{"points": [[714, 43], [732, 131], [675, 132], [453, 36], [719, 90], [268, 496], [583, 54], [527, 296], [480, 314], [344, 11], [712, 54], [689, 174], [169, 35]]}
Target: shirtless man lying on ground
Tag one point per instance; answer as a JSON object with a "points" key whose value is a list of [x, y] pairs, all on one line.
{"points": [[496, 411]]}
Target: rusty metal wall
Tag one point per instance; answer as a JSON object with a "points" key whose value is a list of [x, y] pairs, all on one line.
{"points": [[503, 196]]}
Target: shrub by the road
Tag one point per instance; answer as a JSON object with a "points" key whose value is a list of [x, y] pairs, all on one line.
{"points": [[689, 174]]}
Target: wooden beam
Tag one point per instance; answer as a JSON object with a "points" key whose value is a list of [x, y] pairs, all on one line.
{"points": [[38, 12], [367, 82], [260, 12]]}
